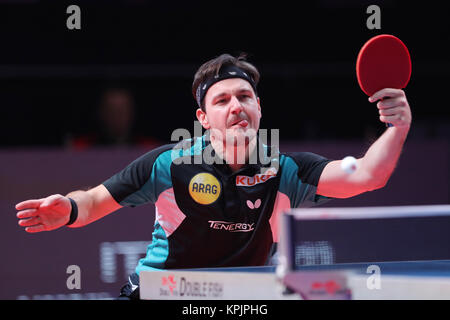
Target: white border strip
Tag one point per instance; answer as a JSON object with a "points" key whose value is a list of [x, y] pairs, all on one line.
{"points": [[370, 212]]}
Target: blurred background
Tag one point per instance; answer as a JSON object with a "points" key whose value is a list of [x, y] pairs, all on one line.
{"points": [[77, 106]]}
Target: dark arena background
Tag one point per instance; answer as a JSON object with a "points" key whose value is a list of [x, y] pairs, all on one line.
{"points": [[129, 68]]}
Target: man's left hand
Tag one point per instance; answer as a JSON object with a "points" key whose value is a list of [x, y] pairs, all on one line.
{"points": [[393, 107]]}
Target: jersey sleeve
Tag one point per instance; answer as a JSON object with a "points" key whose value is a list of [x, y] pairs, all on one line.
{"points": [[301, 172], [142, 180]]}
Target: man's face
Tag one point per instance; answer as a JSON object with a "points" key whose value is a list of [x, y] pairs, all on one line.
{"points": [[232, 110]]}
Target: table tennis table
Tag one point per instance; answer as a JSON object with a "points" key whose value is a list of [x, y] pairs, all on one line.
{"points": [[385, 280], [333, 273]]}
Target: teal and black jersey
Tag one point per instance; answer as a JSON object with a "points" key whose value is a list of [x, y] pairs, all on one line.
{"points": [[209, 216]]}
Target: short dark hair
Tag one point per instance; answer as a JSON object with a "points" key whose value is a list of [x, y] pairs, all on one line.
{"points": [[212, 68]]}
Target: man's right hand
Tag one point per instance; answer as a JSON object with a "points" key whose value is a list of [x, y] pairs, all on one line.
{"points": [[44, 214]]}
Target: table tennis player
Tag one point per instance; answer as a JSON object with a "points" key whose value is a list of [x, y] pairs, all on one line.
{"points": [[223, 214]]}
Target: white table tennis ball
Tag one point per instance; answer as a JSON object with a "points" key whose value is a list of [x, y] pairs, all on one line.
{"points": [[349, 164]]}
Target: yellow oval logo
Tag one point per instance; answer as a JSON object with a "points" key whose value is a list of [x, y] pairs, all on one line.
{"points": [[204, 188]]}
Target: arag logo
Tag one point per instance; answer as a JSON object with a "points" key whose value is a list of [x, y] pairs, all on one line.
{"points": [[204, 188]]}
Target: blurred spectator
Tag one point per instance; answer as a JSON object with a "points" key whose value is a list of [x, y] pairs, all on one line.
{"points": [[116, 123]]}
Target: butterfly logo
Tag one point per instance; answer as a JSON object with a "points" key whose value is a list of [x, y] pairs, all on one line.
{"points": [[255, 205]]}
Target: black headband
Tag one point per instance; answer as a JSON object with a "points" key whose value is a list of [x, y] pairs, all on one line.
{"points": [[226, 72]]}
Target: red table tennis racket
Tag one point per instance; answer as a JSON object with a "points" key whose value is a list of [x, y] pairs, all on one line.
{"points": [[383, 62]]}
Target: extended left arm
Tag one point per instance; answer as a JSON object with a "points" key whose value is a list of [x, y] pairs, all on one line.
{"points": [[377, 165]]}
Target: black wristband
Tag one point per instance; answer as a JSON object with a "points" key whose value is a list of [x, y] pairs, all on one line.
{"points": [[73, 212]]}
